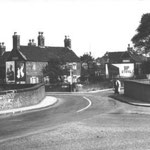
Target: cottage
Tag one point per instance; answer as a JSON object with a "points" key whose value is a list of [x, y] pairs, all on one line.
{"points": [[128, 63], [25, 63]]}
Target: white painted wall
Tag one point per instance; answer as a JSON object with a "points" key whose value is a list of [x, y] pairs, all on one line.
{"points": [[126, 70]]}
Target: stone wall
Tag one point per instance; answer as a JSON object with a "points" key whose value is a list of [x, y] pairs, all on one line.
{"points": [[22, 97], [138, 90]]}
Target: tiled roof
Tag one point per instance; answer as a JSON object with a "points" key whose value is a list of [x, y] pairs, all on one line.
{"points": [[117, 57], [3, 58], [34, 53], [113, 69], [114, 57]]}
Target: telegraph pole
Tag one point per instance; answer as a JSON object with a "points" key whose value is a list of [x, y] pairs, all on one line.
{"points": [[71, 79]]}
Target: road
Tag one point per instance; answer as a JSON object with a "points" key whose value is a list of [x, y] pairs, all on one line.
{"points": [[90, 121]]}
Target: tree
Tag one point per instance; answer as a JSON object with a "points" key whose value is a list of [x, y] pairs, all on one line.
{"points": [[55, 70], [86, 58], [141, 40], [88, 67]]}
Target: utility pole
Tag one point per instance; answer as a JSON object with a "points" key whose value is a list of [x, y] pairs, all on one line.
{"points": [[71, 79]]}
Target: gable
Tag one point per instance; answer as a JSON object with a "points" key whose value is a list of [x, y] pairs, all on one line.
{"points": [[16, 55]]}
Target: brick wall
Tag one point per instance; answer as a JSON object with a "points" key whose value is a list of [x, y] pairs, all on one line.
{"points": [[34, 69], [138, 90], [78, 70], [21, 97]]}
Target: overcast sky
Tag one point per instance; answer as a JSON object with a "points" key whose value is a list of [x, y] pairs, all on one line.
{"points": [[93, 25]]}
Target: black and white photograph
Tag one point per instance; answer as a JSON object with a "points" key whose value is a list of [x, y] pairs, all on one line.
{"points": [[75, 75]]}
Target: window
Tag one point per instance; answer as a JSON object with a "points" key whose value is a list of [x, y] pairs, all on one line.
{"points": [[74, 66]]}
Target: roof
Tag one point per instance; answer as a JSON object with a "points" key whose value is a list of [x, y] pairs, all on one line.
{"points": [[113, 70], [117, 57], [114, 57], [138, 58], [3, 58], [34, 53]]}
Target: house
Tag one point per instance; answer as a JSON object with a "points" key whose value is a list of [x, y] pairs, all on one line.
{"points": [[128, 63], [25, 64], [3, 57]]}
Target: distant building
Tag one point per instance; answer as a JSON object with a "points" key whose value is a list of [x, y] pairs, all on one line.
{"points": [[127, 62], [3, 57], [25, 63]]}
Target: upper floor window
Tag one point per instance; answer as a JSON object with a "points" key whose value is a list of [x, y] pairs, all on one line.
{"points": [[74, 66]]}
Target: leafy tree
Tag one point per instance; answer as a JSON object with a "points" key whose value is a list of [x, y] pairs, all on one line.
{"points": [[141, 40], [86, 58], [55, 70], [88, 67]]}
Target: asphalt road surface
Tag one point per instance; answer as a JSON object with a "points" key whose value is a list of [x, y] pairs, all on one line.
{"points": [[91, 121]]}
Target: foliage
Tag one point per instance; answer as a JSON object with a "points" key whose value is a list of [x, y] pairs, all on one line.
{"points": [[88, 67], [86, 58], [141, 40], [55, 70]]}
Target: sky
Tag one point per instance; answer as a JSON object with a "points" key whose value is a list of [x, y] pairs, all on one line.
{"points": [[95, 26]]}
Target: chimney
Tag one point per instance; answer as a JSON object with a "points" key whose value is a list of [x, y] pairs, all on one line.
{"points": [[41, 40], [16, 41], [29, 44], [33, 44], [67, 42], [2, 48], [129, 48]]}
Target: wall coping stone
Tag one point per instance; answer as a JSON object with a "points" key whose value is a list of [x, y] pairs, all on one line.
{"points": [[34, 87]]}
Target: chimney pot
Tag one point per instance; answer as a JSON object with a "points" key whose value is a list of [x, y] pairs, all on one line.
{"points": [[2, 43]]}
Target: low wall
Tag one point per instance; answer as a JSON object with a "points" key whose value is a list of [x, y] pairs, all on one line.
{"points": [[138, 90], [16, 98]]}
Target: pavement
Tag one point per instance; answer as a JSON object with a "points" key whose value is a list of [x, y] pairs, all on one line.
{"points": [[46, 102], [122, 98]]}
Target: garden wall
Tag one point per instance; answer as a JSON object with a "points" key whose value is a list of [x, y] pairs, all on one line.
{"points": [[26, 96], [138, 90]]}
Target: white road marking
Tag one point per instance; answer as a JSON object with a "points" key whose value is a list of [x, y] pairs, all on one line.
{"points": [[90, 103]]}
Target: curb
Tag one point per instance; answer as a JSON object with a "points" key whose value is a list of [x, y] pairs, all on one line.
{"points": [[30, 108], [131, 103], [94, 91]]}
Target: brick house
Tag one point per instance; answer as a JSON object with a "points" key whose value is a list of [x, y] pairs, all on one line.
{"points": [[25, 63]]}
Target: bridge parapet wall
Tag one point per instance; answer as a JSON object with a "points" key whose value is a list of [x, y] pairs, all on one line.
{"points": [[138, 90], [17, 98]]}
